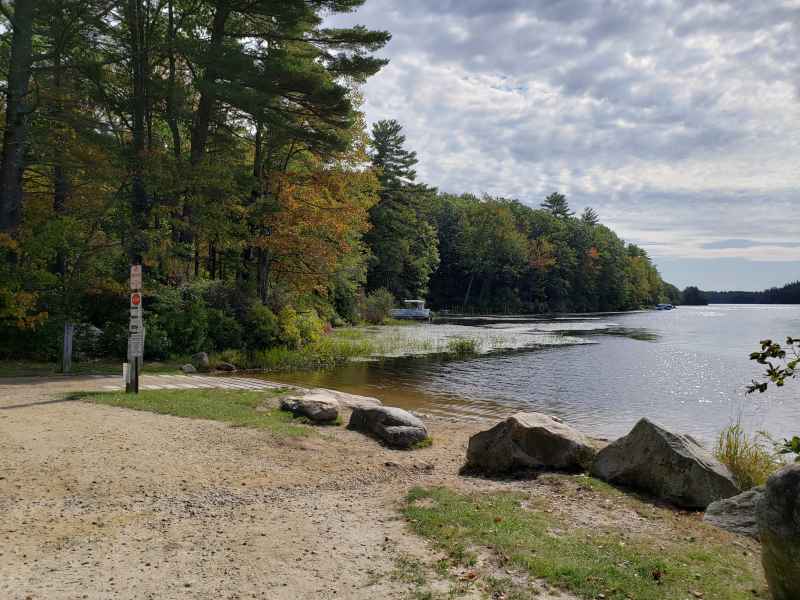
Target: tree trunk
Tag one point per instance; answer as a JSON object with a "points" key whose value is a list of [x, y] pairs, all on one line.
{"points": [[172, 100], [12, 164]]}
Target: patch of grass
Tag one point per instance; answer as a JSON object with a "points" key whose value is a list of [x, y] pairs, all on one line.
{"points": [[597, 562], [464, 347], [240, 409], [28, 368], [426, 443], [750, 458]]}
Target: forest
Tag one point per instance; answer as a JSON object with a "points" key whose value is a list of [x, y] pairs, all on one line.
{"points": [[221, 144], [787, 294]]}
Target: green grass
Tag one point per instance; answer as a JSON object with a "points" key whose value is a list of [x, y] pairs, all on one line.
{"points": [[750, 458], [596, 562], [234, 407], [29, 368], [463, 347]]}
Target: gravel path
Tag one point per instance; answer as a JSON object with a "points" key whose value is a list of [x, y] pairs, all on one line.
{"points": [[102, 502]]}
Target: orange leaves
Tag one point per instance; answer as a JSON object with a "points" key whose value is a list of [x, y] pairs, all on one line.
{"points": [[541, 254]]}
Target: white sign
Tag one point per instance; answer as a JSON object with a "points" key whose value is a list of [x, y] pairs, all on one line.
{"points": [[136, 344], [136, 277]]}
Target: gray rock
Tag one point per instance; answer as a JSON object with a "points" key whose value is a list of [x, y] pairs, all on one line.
{"points": [[736, 514], [778, 516], [187, 368], [670, 466], [394, 426], [315, 405], [530, 440], [225, 366], [200, 361]]}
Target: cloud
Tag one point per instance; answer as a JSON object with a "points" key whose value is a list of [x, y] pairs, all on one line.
{"points": [[678, 120]]}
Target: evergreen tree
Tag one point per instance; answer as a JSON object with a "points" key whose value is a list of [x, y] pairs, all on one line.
{"points": [[556, 204], [388, 154], [590, 216]]}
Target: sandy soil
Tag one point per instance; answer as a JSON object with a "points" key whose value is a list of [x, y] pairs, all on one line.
{"points": [[101, 502]]}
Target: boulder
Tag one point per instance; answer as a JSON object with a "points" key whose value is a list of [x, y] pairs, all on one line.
{"points": [[200, 361], [187, 368], [670, 466], [736, 514], [318, 407], [530, 441], [394, 426], [778, 517], [225, 366]]}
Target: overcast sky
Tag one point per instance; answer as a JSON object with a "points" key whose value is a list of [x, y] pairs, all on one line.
{"points": [[678, 121]]}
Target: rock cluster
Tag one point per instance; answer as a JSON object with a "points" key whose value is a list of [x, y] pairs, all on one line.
{"points": [[530, 441]]}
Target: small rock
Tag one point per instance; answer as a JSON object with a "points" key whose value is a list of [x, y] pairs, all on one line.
{"points": [[736, 514], [225, 366], [315, 405], [200, 361], [187, 368], [396, 427]]}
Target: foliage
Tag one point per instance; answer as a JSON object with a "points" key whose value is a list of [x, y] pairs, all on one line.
{"points": [[463, 347], [692, 296], [376, 306], [749, 458], [788, 359]]}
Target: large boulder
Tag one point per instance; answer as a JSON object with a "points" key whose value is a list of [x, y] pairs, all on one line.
{"points": [[315, 405], [736, 514], [394, 426], [670, 466], [530, 440], [200, 361], [778, 516]]}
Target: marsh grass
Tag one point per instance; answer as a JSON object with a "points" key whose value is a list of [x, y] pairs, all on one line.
{"points": [[592, 562], [750, 458], [239, 409], [461, 347]]}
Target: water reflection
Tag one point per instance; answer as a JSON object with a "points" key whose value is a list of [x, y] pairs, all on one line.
{"points": [[686, 368]]}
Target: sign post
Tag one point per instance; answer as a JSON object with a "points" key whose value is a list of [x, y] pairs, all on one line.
{"points": [[135, 332]]}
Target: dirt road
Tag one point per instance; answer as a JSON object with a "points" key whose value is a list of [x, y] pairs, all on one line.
{"points": [[101, 502]]}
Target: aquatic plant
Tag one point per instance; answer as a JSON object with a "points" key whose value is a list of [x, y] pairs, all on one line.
{"points": [[750, 458], [463, 347]]}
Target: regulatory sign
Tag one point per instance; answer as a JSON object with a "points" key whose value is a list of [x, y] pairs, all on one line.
{"points": [[136, 300], [136, 277]]}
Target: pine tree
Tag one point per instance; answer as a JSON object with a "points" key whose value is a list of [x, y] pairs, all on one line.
{"points": [[394, 161], [556, 204], [590, 216]]}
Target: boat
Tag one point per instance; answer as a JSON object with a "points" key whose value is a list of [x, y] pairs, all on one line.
{"points": [[664, 307], [414, 309]]}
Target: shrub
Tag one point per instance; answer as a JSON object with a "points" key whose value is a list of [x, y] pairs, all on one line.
{"points": [[261, 329], [376, 306], [463, 347], [311, 327], [182, 314], [288, 323], [224, 331], [749, 458], [157, 345]]}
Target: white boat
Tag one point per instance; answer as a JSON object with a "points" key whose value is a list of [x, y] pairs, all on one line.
{"points": [[664, 307], [415, 309]]}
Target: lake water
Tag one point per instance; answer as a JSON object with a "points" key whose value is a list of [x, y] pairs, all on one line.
{"points": [[686, 368]]}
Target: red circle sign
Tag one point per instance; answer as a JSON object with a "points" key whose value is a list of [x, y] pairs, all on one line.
{"points": [[136, 299]]}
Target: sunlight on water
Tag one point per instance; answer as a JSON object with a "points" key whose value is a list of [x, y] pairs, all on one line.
{"points": [[687, 369]]}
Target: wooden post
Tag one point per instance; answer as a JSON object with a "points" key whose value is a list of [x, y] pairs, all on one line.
{"points": [[66, 357]]}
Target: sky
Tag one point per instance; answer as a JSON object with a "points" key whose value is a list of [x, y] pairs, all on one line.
{"points": [[677, 121]]}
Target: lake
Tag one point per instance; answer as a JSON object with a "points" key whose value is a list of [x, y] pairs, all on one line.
{"points": [[686, 368]]}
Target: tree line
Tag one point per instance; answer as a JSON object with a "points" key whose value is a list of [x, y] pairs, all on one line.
{"points": [[221, 145], [787, 294]]}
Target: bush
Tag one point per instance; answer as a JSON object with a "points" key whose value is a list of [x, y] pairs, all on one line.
{"points": [[311, 327], [224, 331], [289, 328], [749, 458], [157, 345], [183, 316], [463, 347], [260, 327], [376, 306]]}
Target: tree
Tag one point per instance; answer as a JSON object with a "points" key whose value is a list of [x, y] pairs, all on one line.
{"points": [[556, 204], [692, 296], [404, 246], [590, 216]]}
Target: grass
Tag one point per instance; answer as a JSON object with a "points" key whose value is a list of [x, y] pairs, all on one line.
{"points": [[463, 347], [239, 409], [749, 457], [30, 368], [591, 562]]}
